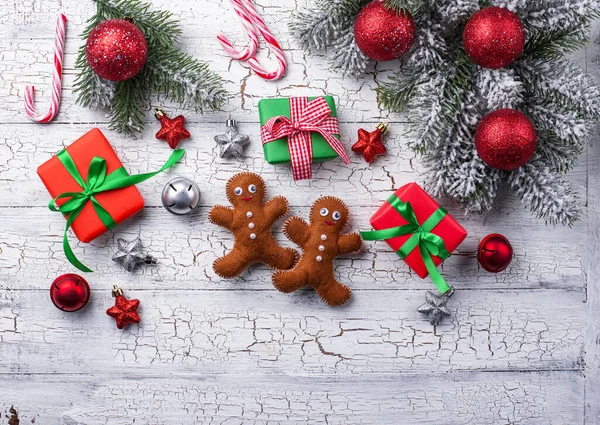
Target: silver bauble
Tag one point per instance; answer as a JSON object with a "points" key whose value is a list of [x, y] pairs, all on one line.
{"points": [[181, 196]]}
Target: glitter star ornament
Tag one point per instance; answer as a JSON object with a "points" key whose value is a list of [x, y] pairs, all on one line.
{"points": [[369, 143], [124, 311], [231, 143], [171, 130], [435, 306], [130, 254]]}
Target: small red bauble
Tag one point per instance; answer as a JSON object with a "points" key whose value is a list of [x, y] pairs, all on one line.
{"points": [[494, 253], [369, 143], [116, 50], [171, 130], [505, 139], [70, 292], [124, 311], [382, 33], [494, 37]]}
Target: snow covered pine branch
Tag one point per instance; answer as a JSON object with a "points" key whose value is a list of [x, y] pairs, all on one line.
{"points": [[445, 94]]}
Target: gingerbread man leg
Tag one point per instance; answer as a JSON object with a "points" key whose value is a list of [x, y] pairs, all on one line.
{"points": [[280, 258], [291, 280], [333, 292], [232, 264]]}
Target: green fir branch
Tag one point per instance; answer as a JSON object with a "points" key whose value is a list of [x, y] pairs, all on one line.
{"points": [[554, 151], [169, 72], [396, 93], [340, 9], [159, 26], [127, 107], [185, 80], [412, 6], [555, 43]]}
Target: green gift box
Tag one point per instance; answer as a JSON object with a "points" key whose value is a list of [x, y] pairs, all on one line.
{"points": [[277, 151]]}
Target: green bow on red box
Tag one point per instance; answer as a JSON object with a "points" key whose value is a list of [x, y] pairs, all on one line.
{"points": [[429, 244], [98, 181]]}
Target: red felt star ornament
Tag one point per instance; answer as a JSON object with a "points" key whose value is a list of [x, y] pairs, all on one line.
{"points": [[124, 311], [171, 130], [369, 143]]}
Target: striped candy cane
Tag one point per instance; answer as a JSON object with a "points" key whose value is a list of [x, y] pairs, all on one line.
{"points": [[59, 44], [252, 23], [250, 50], [271, 42]]}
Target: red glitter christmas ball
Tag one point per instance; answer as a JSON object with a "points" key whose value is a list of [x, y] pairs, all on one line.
{"points": [[494, 253], [383, 34], [494, 37], [116, 50], [505, 139], [70, 292]]}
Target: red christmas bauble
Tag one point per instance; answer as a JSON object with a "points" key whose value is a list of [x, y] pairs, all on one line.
{"points": [[494, 253], [494, 37], [116, 50], [383, 34], [70, 292], [505, 139]]}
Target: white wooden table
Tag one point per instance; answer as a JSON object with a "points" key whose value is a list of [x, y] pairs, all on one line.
{"points": [[522, 346]]}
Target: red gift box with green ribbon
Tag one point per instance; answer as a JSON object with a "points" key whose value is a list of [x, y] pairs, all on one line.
{"points": [[90, 186], [419, 230]]}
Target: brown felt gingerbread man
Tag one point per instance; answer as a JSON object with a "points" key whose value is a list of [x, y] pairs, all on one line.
{"points": [[250, 221], [321, 243]]}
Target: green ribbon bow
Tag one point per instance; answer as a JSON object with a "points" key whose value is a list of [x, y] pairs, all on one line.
{"points": [[421, 236], [97, 181]]}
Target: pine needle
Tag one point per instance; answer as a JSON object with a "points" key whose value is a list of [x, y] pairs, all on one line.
{"points": [[169, 72]]}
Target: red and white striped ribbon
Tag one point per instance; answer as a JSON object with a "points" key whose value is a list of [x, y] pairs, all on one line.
{"points": [[305, 118], [254, 24], [59, 44]]}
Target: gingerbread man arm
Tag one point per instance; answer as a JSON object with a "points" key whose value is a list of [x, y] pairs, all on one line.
{"points": [[221, 216], [296, 230], [349, 243], [276, 208]]}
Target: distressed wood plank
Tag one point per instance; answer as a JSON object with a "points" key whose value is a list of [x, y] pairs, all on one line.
{"points": [[592, 265], [31, 256], [378, 332], [33, 66], [23, 148], [450, 399], [238, 351]]}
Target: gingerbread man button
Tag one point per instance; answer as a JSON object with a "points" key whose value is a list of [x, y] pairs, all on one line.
{"points": [[250, 221], [321, 242]]}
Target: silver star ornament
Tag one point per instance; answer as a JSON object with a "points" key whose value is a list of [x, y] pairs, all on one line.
{"points": [[130, 254], [231, 143], [435, 306]]}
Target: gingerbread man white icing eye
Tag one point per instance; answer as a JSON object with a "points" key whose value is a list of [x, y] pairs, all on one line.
{"points": [[336, 215], [238, 191], [252, 188], [324, 212]]}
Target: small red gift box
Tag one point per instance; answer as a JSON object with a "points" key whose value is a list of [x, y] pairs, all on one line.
{"points": [[119, 203], [424, 206]]}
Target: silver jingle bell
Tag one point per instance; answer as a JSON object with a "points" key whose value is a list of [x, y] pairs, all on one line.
{"points": [[180, 196]]}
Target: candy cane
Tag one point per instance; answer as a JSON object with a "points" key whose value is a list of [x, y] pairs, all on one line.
{"points": [[59, 44], [271, 42], [252, 22], [250, 50]]}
